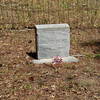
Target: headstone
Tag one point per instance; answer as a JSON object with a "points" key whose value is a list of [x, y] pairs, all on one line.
{"points": [[53, 40]]}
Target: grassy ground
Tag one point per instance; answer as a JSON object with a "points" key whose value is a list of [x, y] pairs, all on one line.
{"points": [[22, 80], [18, 14]]}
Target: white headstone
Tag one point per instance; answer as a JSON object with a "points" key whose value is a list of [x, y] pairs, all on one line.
{"points": [[53, 40]]}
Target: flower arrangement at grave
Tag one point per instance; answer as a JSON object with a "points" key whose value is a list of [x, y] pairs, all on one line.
{"points": [[57, 60]]}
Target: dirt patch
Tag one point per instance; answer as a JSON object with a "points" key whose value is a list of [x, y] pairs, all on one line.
{"points": [[22, 80]]}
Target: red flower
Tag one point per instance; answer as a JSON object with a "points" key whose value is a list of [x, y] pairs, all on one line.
{"points": [[57, 60]]}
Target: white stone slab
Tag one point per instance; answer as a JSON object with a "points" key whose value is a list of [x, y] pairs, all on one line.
{"points": [[53, 40], [68, 59]]}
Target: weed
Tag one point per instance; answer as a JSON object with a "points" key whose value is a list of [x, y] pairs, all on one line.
{"points": [[27, 86], [97, 56]]}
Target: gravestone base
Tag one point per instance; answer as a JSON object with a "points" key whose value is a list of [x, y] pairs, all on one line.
{"points": [[68, 59]]}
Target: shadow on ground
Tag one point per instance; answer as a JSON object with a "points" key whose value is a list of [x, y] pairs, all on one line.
{"points": [[92, 43], [32, 54]]}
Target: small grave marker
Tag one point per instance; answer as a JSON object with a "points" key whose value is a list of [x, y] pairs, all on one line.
{"points": [[52, 40]]}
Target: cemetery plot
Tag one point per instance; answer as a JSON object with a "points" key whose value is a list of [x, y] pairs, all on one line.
{"points": [[22, 80]]}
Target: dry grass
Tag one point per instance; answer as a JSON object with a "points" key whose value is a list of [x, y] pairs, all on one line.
{"points": [[17, 14], [22, 80]]}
